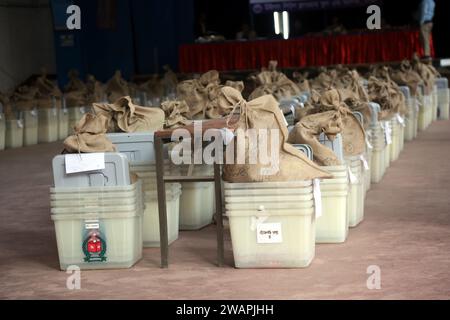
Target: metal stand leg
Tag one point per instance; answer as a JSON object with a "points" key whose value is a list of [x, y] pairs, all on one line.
{"points": [[219, 215], [161, 188]]}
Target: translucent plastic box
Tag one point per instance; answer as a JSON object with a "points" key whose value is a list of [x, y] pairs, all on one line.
{"points": [[94, 230], [75, 115], [332, 226], [63, 124], [14, 134], [357, 193], [266, 237], [30, 130], [443, 97], [48, 125]]}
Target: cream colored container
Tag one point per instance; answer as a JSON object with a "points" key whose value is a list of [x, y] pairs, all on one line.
{"points": [[197, 202], [75, 115], [394, 147], [434, 99], [366, 170], [14, 134], [30, 130], [98, 227], [357, 195], [332, 226], [48, 125], [444, 103], [269, 236], [151, 235], [2, 131], [63, 124]]}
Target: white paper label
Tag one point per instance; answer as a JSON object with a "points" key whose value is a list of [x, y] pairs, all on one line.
{"points": [[293, 111], [401, 120], [55, 112], [364, 162], [82, 110], [227, 136], [387, 133], [65, 110], [34, 112], [91, 224], [317, 198], [352, 177], [269, 233], [369, 145], [83, 162], [20, 123]]}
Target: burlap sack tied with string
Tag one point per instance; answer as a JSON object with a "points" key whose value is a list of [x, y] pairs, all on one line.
{"points": [[302, 81], [24, 98], [49, 95], [238, 85], [7, 109], [406, 76], [177, 113], [89, 136], [263, 113], [124, 116], [219, 104], [389, 97], [428, 76], [331, 116], [276, 84], [196, 93], [95, 90]]}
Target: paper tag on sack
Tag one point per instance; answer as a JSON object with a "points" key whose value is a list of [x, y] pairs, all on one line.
{"points": [[293, 111], [91, 224], [82, 110], [352, 177], [20, 123], [364, 162], [83, 162], [401, 120], [227, 136], [65, 110], [387, 133], [34, 112], [269, 233], [369, 145], [317, 198]]}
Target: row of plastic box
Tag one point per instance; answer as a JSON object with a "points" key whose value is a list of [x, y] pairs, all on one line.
{"points": [[38, 126]]}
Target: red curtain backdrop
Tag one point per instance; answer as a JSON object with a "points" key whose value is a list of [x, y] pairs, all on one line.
{"points": [[307, 51]]}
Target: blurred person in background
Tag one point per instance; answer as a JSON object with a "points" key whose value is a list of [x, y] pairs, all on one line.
{"points": [[426, 14]]}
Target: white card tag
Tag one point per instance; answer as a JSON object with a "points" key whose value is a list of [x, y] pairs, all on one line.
{"points": [[387, 134], [364, 162], [293, 111], [20, 123], [82, 110], [352, 177], [34, 112], [227, 136], [65, 110], [83, 162], [401, 120], [269, 233], [91, 224], [369, 145], [317, 198]]}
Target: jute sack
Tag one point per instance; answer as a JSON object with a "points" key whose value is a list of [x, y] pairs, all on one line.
{"points": [[238, 85], [388, 95], [263, 113], [308, 130], [24, 98], [428, 76], [154, 87], [196, 93], [116, 87], [89, 136], [76, 99], [124, 116], [302, 81], [7, 109], [324, 81], [406, 76], [75, 84], [275, 83], [177, 113], [219, 104], [46, 87]]}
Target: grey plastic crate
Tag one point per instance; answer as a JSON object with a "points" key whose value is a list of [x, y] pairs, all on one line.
{"points": [[138, 147], [335, 145], [374, 109], [306, 149], [116, 173]]}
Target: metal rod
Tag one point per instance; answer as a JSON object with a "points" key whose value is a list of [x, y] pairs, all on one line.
{"points": [[161, 188]]}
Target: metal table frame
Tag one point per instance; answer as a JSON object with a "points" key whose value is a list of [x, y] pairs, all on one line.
{"points": [[160, 138]]}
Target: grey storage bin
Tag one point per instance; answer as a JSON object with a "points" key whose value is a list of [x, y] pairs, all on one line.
{"points": [[335, 145], [306, 149], [116, 173], [138, 147], [375, 109]]}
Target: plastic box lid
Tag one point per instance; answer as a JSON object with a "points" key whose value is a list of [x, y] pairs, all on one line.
{"points": [[116, 173], [335, 145]]}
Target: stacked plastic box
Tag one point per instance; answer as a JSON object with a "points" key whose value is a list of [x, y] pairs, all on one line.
{"points": [[63, 122], [272, 224], [434, 103], [411, 116], [97, 215], [357, 191], [443, 94], [139, 149], [13, 134], [75, 115], [48, 125], [31, 126], [377, 140], [332, 226], [425, 110]]}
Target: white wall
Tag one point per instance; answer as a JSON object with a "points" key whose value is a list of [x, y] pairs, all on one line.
{"points": [[26, 40]]}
